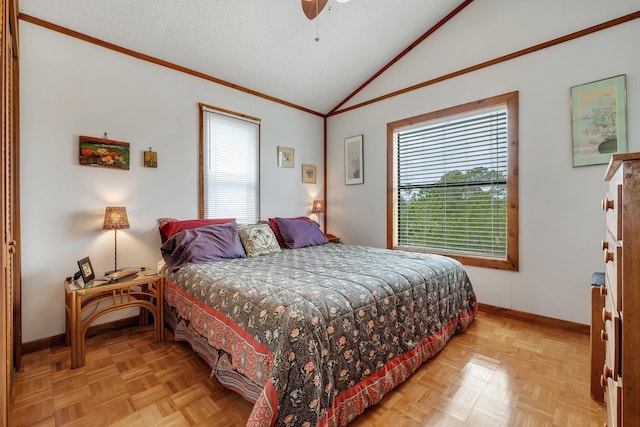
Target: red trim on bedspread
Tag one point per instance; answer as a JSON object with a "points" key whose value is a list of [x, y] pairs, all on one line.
{"points": [[248, 338], [265, 409], [368, 392], [350, 403]]}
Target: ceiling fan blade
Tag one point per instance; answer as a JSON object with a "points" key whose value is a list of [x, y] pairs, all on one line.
{"points": [[312, 8]]}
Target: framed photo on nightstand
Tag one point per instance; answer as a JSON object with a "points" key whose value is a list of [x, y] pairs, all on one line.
{"points": [[86, 270]]}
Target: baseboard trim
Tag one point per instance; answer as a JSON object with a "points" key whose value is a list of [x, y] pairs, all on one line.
{"points": [[56, 340], [564, 325]]}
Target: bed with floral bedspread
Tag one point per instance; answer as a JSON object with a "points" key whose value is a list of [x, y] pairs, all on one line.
{"points": [[313, 336]]}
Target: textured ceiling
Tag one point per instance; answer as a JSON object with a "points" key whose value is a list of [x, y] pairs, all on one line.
{"points": [[267, 46]]}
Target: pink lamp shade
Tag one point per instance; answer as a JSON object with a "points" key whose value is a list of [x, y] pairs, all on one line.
{"points": [[318, 206], [115, 218]]}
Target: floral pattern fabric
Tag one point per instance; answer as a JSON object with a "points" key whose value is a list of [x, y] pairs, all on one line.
{"points": [[322, 331]]}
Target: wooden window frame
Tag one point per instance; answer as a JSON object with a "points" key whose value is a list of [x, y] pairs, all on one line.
{"points": [[201, 154], [511, 261]]}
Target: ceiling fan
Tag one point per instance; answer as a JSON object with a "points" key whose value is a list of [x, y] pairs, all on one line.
{"points": [[312, 8]]}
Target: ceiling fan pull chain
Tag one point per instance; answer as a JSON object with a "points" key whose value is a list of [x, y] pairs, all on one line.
{"points": [[317, 19]]}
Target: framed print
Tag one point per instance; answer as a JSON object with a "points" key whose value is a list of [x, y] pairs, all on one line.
{"points": [[285, 157], [150, 159], [353, 160], [86, 270], [104, 153], [598, 120], [308, 174]]}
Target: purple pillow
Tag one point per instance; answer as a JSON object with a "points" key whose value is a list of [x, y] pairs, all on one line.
{"points": [[298, 233], [209, 243]]}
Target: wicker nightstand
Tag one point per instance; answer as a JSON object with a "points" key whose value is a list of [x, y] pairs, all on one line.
{"points": [[333, 238], [143, 290]]}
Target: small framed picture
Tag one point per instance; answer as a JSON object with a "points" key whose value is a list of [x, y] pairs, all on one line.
{"points": [[150, 159], [86, 270], [353, 160], [285, 157], [308, 174]]}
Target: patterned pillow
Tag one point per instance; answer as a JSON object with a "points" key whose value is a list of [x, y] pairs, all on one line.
{"points": [[258, 239]]}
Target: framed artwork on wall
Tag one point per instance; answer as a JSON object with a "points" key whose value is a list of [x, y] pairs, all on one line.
{"points": [[353, 160], [598, 120], [308, 174], [285, 157], [102, 152], [150, 159]]}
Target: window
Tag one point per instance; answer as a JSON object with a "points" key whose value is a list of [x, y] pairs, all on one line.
{"points": [[454, 185], [229, 166]]}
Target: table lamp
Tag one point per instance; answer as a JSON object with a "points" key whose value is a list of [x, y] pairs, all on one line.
{"points": [[317, 208], [115, 218]]}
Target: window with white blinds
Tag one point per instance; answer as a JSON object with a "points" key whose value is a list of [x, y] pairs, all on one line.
{"points": [[230, 170], [451, 185]]}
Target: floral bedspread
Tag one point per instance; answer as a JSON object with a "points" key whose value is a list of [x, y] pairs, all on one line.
{"points": [[316, 335]]}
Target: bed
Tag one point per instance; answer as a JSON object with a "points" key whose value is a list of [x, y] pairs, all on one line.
{"points": [[314, 335]]}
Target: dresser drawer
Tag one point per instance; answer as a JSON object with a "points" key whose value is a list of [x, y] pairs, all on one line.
{"points": [[613, 270], [609, 378], [612, 205], [610, 335], [613, 399]]}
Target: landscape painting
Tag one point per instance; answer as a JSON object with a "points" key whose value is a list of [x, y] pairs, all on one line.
{"points": [[105, 153]]}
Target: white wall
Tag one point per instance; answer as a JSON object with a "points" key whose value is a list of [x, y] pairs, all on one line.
{"points": [[561, 224], [71, 88]]}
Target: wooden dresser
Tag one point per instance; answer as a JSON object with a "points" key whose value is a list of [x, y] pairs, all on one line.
{"points": [[621, 295]]}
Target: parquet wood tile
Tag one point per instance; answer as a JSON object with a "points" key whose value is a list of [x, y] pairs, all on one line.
{"points": [[501, 372]]}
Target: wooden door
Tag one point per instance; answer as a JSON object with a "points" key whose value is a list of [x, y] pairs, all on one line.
{"points": [[10, 300]]}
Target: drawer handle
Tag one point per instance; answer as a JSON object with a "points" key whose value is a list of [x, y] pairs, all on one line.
{"points": [[607, 204], [606, 315], [603, 336], [607, 372], [603, 291], [604, 245], [608, 257]]}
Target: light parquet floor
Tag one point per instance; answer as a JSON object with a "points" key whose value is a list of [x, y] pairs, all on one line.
{"points": [[501, 372]]}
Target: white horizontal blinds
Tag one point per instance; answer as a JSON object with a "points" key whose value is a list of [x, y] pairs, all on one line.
{"points": [[452, 185], [231, 167]]}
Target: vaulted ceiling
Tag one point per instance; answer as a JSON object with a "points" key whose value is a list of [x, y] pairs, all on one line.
{"points": [[267, 46]]}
